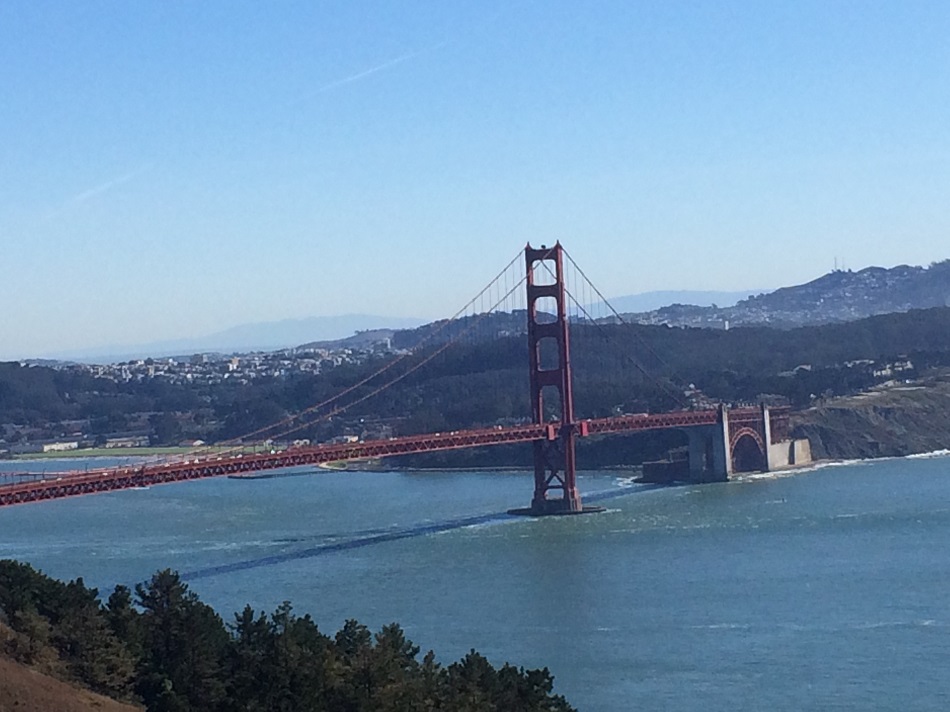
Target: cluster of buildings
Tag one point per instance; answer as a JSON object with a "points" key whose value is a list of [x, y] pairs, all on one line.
{"points": [[213, 368], [197, 369]]}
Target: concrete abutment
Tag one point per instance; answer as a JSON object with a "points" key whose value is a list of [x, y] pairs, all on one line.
{"points": [[711, 455]]}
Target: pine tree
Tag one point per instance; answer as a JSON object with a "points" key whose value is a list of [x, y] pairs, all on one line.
{"points": [[185, 643]]}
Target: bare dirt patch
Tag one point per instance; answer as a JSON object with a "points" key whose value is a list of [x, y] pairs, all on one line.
{"points": [[25, 690]]}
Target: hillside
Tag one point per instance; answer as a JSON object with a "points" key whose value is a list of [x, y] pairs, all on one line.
{"points": [[841, 295], [617, 368], [891, 420], [163, 646]]}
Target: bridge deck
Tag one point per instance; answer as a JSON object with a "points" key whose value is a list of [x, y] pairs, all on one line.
{"points": [[71, 484]]}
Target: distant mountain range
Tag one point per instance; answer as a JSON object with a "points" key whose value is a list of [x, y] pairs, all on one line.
{"points": [[841, 295], [650, 301], [263, 336], [837, 296], [346, 331]]}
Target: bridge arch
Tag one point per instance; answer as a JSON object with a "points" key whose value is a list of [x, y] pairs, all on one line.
{"points": [[748, 450]]}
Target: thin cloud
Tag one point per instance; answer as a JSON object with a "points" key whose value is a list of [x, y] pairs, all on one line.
{"points": [[388, 64], [363, 74], [380, 67], [108, 185], [90, 193]]}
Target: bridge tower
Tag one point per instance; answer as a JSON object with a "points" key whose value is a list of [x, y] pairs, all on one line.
{"points": [[555, 482]]}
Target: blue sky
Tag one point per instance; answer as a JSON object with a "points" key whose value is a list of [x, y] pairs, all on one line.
{"points": [[170, 169]]}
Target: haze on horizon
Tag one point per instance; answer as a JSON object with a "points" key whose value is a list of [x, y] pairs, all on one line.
{"points": [[172, 170]]}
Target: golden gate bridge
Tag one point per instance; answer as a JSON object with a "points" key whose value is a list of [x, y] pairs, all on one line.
{"points": [[714, 434]]}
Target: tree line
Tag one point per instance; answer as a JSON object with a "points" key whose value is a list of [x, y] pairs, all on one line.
{"points": [[161, 646]]}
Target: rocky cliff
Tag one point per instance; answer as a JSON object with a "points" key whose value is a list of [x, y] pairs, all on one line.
{"points": [[892, 420]]}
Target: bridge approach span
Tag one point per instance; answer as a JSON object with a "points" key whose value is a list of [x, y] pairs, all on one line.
{"points": [[71, 484]]}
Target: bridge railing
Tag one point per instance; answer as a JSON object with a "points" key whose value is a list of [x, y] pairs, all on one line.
{"points": [[66, 484]]}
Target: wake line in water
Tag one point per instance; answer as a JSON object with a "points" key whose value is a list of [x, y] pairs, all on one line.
{"points": [[409, 532]]}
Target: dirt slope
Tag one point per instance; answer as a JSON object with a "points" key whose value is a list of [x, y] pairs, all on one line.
{"points": [[25, 690]]}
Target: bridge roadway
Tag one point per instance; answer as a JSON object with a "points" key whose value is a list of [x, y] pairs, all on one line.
{"points": [[74, 483]]}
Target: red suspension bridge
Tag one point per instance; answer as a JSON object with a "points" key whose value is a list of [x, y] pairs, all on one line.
{"points": [[714, 435]]}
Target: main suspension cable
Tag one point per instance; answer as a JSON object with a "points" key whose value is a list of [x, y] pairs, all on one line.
{"points": [[676, 397]]}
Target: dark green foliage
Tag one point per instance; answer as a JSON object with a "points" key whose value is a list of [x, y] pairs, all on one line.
{"points": [[31, 394], [68, 618], [475, 685], [184, 647], [250, 412], [124, 620], [93, 653], [166, 430], [279, 663], [179, 656]]}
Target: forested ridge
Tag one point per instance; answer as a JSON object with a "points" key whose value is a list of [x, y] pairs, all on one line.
{"points": [[161, 646], [617, 368]]}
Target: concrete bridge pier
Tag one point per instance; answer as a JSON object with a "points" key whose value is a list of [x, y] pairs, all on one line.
{"points": [[710, 451], [767, 437]]}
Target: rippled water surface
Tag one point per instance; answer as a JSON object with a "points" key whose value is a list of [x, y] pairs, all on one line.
{"points": [[828, 589]]}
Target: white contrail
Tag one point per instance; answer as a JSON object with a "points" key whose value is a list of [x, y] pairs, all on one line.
{"points": [[380, 67], [108, 185], [403, 58], [90, 193]]}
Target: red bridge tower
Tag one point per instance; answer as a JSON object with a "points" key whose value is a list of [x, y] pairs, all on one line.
{"points": [[555, 482]]}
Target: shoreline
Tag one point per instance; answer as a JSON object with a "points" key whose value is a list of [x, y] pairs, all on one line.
{"points": [[380, 469]]}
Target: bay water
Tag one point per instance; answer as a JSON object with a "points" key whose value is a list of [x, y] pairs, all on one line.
{"points": [[820, 589]]}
